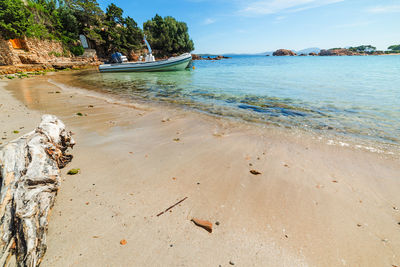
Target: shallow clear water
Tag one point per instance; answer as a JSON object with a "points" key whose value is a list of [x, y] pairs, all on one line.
{"points": [[351, 96]]}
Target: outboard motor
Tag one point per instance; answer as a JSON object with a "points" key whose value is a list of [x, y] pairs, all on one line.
{"points": [[116, 58]]}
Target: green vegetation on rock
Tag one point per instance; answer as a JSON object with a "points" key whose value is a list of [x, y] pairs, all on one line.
{"points": [[363, 48]]}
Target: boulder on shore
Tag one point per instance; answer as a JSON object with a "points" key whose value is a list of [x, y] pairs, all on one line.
{"points": [[312, 54], [284, 52]]}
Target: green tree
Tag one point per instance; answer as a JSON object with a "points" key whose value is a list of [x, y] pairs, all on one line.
{"points": [[363, 48], [89, 16], [114, 14], [167, 36], [120, 34], [133, 34], [394, 47], [45, 21], [68, 23], [14, 19]]}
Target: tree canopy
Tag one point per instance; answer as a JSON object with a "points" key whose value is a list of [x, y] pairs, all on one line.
{"points": [[14, 18], [107, 31], [167, 36], [394, 47], [363, 48], [120, 34]]}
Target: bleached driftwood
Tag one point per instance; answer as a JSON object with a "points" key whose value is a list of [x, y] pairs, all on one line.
{"points": [[30, 178]]}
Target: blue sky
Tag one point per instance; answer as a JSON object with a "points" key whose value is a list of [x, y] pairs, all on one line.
{"points": [[252, 26]]}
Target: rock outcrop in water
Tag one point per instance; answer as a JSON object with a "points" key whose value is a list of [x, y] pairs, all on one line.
{"points": [[198, 57], [337, 52], [284, 52]]}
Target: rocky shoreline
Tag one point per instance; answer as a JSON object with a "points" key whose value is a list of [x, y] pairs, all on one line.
{"points": [[26, 55], [331, 52], [24, 70], [199, 57]]}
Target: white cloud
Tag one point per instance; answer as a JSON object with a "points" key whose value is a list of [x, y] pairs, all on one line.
{"points": [[384, 9], [208, 21], [265, 7]]}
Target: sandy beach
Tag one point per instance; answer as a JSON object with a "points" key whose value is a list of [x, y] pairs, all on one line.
{"points": [[313, 204]]}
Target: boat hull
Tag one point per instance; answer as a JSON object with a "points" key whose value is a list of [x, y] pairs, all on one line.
{"points": [[171, 64]]}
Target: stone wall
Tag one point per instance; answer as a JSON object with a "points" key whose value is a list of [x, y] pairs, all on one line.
{"points": [[43, 51], [7, 55], [37, 51]]}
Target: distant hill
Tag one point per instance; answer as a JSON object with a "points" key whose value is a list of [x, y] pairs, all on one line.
{"points": [[265, 53], [308, 51]]}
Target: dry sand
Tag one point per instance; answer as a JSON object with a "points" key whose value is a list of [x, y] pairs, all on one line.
{"points": [[312, 205]]}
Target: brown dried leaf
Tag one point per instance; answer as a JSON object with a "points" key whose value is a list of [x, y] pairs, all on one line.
{"points": [[254, 172]]}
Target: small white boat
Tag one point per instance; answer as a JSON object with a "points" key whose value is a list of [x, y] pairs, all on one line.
{"points": [[172, 64], [150, 64]]}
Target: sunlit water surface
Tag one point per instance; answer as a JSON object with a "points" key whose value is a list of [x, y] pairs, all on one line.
{"points": [[349, 96]]}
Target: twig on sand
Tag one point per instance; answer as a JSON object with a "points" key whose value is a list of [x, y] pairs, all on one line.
{"points": [[180, 201]]}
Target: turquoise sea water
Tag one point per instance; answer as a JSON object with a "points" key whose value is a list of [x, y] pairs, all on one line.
{"points": [[351, 96]]}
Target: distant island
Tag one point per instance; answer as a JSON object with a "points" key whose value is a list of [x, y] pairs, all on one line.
{"points": [[363, 50]]}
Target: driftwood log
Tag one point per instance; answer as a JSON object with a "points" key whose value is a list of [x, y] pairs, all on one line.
{"points": [[29, 180]]}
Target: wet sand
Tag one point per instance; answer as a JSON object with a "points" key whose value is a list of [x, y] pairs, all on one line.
{"points": [[312, 205]]}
